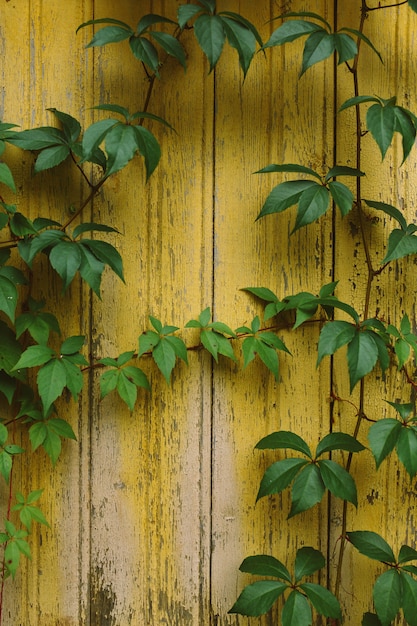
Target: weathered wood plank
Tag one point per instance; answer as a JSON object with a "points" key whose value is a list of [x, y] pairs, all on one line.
{"points": [[151, 470], [386, 502], [38, 45], [266, 119]]}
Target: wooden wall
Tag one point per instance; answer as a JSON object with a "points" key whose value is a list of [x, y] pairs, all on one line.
{"points": [[152, 512]]}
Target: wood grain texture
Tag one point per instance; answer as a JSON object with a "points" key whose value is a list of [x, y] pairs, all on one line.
{"points": [[153, 511]]}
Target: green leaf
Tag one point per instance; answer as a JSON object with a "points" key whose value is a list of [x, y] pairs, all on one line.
{"points": [[339, 441], [108, 382], [319, 46], [268, 356], [307, 490], [65, 258], [242, 20], [346, 47], [110, 34], [51, 382], [38, 138], [121, 147], [323, 600], [407, 450], [137, 376], [186, 12], [400, 244], [242, 39], [164, 356], [362, 355], [147, 342], [257, 599], [284, 196], [90, 269], [103, 20], [92, 226], [171, 45], [342, 196], [284, 439], [407, 554], [387, 596], [6, 177], [307, 561], [6, 463], [95, 135], [21, 225], [3, 434], [304, 14], [405, 126], [74, 378], [127, 389], [12, 557], [382, 437], [148, 148], [72, 344], [264, 565], [312, 204], [52, 445], [10, 349], [107, 254], [210, 35], [368, 42], [51, 157], [8, 297], [296, 610], [413, 5], [145, 52], [333, 336], [371, 545], [291, 30], [390, 210], [71, 126], [279, 475], [179, 347], [34, 356], [409, 598], [7, 386], [149, 20], [338, 481], [357, 100], [289, 167], [380, 120], [343, 170]]}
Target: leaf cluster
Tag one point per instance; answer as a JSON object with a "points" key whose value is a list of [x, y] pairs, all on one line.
{"points": [[395, 588], [311, 476], [257, 598]]}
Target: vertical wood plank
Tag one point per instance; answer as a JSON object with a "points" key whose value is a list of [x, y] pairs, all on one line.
{"points": [[151, 469], [37, 44], [386, 500], [267, 119]]}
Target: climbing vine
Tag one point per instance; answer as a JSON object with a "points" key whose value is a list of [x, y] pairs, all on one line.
{"points": [[34, 375]]}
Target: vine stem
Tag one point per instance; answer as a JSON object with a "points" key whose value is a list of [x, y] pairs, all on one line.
{"points": [[370, 277]]}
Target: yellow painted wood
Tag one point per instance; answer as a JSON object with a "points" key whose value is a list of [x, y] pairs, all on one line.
{"points": [[386, 497], [152, 512], [38, 74]]}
